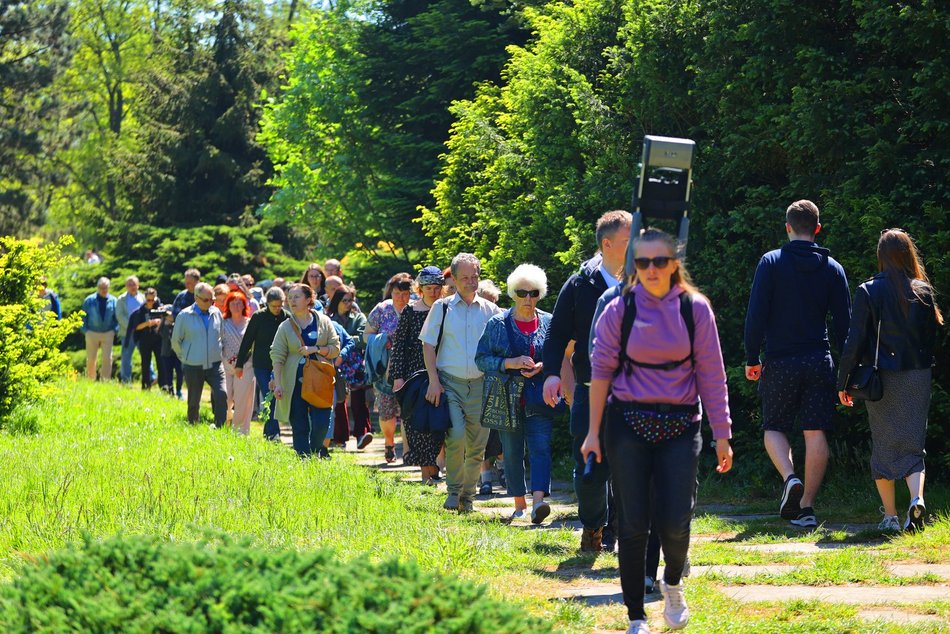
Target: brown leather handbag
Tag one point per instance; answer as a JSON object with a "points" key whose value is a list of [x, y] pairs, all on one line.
{"points": [[318, 376]]}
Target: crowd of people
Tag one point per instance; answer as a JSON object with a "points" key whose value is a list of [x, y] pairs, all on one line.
{"points": [[633, 354]]}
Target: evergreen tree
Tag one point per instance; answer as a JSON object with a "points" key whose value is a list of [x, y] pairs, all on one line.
{"points": [[33, 50], [200, 163]]}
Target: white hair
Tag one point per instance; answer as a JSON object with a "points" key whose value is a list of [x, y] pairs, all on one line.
{"points": [[103, 280], [465, 258], [529, 277], [488, 290]]}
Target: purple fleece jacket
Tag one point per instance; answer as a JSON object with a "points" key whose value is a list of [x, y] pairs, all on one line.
{"points": [[659, 335]]}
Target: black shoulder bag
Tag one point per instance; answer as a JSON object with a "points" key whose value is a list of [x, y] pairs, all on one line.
{"points": [[864, 382]]}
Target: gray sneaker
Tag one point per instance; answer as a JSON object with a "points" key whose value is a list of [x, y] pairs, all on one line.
{"points": [[889, 524], [451, 502], [465, 505]]}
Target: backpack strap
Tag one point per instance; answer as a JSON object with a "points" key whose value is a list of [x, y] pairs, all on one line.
{"points": [[626, 326], [629, 316], [686, 311]]}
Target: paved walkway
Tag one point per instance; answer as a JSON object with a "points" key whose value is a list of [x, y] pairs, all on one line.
{"points": [[890, 603]]}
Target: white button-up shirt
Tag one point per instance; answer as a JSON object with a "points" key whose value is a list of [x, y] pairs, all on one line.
{"points": [[464, 324]]}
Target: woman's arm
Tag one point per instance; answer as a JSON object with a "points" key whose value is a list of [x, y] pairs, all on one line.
{"points": [[862, 321], [330, 349]]}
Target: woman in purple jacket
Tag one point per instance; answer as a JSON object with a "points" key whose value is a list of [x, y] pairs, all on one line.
{"points": [[652, 433]]}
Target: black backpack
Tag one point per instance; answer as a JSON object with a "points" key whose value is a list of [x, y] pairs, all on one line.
{"points": [[630, 316]]}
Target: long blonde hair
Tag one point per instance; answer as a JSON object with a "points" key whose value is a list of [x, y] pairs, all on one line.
{"points": [[680, 276]]}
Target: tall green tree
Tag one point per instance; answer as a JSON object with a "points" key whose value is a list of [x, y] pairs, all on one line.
{"points": [[33, 51], [199, 162], [840, 102], [356, 133]]}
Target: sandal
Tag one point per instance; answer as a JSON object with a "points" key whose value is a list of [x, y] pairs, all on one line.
{"points": [[390, 453]]}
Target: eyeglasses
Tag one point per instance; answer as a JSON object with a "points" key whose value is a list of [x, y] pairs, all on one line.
{"points": [[347, 300], [522, 292], [403, 285], [660, 262], [202, 299]]}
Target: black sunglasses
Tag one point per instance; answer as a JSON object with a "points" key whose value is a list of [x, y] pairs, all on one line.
{"points": [[660, 262], [403, 286], [521, 292]]}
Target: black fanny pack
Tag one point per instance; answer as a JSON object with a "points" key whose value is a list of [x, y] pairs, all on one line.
{"points": [[656, 422]]}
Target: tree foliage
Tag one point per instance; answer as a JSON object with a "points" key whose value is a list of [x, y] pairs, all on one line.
{"points": [[839, 102], [357, 130], [33, 50]]}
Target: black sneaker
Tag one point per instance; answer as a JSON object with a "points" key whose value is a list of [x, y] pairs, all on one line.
{"points": [[791, 498], [485, 488], [608, 540], [323, 453], [916, 516], [806, 518]]}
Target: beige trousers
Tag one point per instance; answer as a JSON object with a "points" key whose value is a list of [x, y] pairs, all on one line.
{"points": [[95, 341]]}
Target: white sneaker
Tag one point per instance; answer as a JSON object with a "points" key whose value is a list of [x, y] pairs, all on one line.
{"points": [[916, 516], [675, 612], [638, 627]]}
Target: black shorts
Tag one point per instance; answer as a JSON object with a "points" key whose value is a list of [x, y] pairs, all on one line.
{"points": [[800, 387]]}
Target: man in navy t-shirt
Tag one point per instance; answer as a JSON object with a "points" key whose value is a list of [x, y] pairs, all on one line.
{"points": [[794, 289]]}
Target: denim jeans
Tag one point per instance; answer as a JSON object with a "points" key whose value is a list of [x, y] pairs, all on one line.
{"points": [[125, 369], [309, 424], [593, 495], [271, 426], [671, 466], [536, 434]]}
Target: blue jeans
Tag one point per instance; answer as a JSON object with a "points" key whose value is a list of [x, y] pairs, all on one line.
{"points": [[125, 370], [271, 427], [536, 433], [670, 467], [309, 424], [592, 495]]}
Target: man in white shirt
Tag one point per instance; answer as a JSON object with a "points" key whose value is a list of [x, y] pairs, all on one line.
{"points": [[454, 375], [126, 304]]}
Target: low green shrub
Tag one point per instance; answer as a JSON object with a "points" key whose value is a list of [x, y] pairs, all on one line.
{"points": [[29, 336], [144, 584]]}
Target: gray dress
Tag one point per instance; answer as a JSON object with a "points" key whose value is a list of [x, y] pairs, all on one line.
{"points": [[899, 424]]}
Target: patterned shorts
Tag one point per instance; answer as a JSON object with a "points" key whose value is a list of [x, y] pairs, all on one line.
{"points": [[800, 387]]}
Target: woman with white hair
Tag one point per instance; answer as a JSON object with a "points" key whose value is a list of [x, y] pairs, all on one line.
{"points": [[512, 345]]}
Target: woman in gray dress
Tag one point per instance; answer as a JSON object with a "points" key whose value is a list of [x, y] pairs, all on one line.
{"points": [[895, 319]]}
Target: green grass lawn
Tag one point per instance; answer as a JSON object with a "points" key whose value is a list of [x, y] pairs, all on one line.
{"points": [[111, 459]]}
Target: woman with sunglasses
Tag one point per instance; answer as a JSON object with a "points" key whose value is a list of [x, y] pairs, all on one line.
{"points": [[350, 373], [406, 360], [653, 434], [382, 321], [143, 328], [512, 344]]}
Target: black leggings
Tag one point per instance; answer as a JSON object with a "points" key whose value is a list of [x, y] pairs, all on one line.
{"points": [[671, 466], [147, 348]]}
